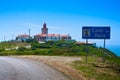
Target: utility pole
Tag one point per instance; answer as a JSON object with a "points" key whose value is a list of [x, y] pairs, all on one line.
{"points": [[13, 37], [4, 38], [104, 43]]}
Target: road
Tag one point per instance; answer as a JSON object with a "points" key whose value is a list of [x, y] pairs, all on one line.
{"points": [[24, 69]]}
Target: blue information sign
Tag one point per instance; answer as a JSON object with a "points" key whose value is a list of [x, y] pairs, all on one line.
{"points": [[89, 32]]}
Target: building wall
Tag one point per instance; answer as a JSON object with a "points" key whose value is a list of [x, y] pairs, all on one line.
{"points": [[22, 39], [51, 38]]}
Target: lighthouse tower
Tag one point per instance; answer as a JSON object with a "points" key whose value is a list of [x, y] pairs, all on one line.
{"points": [[44, 29]]}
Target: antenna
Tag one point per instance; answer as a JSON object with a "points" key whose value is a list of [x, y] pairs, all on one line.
{"points": [[29, 30], [29, 33]]}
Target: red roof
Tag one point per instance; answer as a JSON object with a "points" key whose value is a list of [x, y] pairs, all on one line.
{"points": [[53, 35], [23, 35], [47, 34], [65, 35]]}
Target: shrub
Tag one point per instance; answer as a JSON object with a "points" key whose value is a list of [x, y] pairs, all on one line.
{"points": [[2, 49], [58, 51], [40, 52], [21, 49]]}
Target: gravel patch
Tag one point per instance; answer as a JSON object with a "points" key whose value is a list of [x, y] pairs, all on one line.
{"points": [[60, 63]]}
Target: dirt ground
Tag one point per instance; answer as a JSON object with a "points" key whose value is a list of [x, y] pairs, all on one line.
{"points": [[60, 63]]}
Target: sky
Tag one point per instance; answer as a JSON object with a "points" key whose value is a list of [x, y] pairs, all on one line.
{"points": [[61, 17]]}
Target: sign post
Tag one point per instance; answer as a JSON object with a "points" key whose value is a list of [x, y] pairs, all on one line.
{"points": [[91, 32], [86, 49], [104, 43]]}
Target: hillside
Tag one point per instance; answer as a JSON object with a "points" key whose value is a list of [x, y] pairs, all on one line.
{"points": [[102, 64]]}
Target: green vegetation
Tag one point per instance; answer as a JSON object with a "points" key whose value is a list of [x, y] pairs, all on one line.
{"points": [[62, 48], [102, 63], [96, 70]]}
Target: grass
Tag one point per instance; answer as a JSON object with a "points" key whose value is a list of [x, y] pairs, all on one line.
{"points": [[95, 73]]}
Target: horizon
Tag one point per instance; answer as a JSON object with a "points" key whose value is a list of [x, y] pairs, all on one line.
{"points": [[61, 17]]}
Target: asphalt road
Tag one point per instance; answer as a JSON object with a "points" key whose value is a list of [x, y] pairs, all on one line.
{"points": [[24, 69]]}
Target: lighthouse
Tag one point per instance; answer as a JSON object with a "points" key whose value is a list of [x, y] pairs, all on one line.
{"points": [[44, 29]]}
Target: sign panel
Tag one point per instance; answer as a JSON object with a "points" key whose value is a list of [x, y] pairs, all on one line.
{"points": [[89, 32]]}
